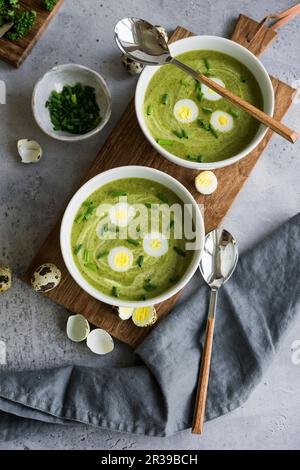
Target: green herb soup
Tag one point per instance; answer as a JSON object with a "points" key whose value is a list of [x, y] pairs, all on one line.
{"points": [[117, 250], [191, 121]]}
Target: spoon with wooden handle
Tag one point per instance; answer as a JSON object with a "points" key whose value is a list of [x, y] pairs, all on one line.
{"points": [[142, 42], [218, 262]]}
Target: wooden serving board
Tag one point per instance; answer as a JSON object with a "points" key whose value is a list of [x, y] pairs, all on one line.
{"points": [[14, 52], [128, 146]]}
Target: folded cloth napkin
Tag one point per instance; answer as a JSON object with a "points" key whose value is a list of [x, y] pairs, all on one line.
{"points": [[157, 397]]}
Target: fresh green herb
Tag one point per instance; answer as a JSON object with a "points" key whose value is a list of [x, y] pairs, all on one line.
{"points": [[102, 254], [233, 113], [164, 142], [149, 109], [87, 203], [148, 205], [8, 11], [49, 4], [149, 286], [163, 197], [206, 63], [90, 211], [198, 85], [165, 99], [133, 242], [195, 158], [118, 193], [244, 79], [184, 82], [115, 292], [80, 218], [207, 110], [78, 249], [86, 256], [23, 23], [179, 251], [74, 110], [141, 260], [91, 266], [206, 126], [199, 96], [181, 133], [214, 132], [174, 280]]}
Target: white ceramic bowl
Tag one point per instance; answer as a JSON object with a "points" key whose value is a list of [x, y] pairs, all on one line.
{"points": [[55, 79], [112, 175], [226, 46]]}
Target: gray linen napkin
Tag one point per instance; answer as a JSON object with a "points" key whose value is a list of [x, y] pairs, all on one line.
{"points": [[157, 397]]}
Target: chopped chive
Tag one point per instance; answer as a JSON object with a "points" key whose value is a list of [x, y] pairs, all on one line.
{"points": [[164, 142], [214, 132], [78, 248], [87, 203], [118, 193], [102, 254], [165, 99], [115, 292], [86, 256], [207, 64], [149, 286], [206, 126], [141, 260], [133, 242], [148, 205], [199, 96], [174, 279], [178, 134], [184, 82], [195, 158], [244, 79], [80, 218], [200, 122], [88, 214], [163, 197], [207, 110], [198, 85], [179, 251], [233, 113], [91, 266], [149, 109], [184, 134]]}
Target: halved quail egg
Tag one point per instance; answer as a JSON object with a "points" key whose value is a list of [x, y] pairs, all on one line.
{"points": [[78, 328], [46, 277], [125, 312], [30, 151], [144, 316], [100, 342], [210, 94], [206, 182], [5, 278]]}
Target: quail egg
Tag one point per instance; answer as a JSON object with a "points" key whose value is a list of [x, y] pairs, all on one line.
{"points": [[30, 151], [5, 278], [144, 316], [46, 277], [132, 67], [100, 342]]}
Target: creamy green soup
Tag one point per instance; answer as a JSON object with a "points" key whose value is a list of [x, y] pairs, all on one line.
{"points": [[191, 121], [125, 239]]}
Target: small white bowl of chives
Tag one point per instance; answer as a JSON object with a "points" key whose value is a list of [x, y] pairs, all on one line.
{"points": [[71, 103]]}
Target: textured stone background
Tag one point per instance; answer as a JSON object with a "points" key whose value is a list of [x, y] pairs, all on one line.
{"points": [[32, 197]]}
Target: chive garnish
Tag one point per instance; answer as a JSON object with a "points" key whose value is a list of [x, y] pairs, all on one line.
{"points": [[115, 292], [214, 132], [199, 96], [149, 110], [179, 251], [233, 113], [184, 134], [102, 254], [78, 248], [206, 126], [133, 242], [86, 256], [207, 64], [118, 193], [87, 203], [148, 205], [207, 110], [80, 218], [88, 214], [91, 266], [163, 197], [198, 85], [184, 82], [195, 158], [148, 285], [164, 142], [178, 134], [165, 99], [141, 260]]}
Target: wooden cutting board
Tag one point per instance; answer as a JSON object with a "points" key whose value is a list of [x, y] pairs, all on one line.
{"points": [[14, 52], [128, 146]]}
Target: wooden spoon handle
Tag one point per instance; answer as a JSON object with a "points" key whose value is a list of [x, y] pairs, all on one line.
{"points": [[199, 413], [261, 116]]}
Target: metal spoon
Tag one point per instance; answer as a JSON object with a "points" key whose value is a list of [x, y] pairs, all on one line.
{"points": [[218, 262], [142, 42]]}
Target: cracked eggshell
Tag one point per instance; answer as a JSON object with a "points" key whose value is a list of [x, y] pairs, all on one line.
{"points": [[5, 279], [46, 277], [100, 342], [78, 328], [30, 151], [132, 67]]}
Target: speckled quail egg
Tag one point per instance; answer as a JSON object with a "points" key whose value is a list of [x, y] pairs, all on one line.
{"points": [[5, 279], [46, 277], [163, 32], [132, 67]]}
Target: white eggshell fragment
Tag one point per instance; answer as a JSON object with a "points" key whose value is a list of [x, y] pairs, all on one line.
{"points": [[132, 67], [125, 313], [5, 279], [78, 328], [46, 277], [30, 151], [100, 342]]}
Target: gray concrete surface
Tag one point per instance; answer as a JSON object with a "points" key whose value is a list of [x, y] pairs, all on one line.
{"points": [[32, 197]]}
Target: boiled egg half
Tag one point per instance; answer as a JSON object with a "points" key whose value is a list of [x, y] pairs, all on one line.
{"points": [[120, 259], [221, 121], [155, 244], [121, 214], [186, 111], [210, 94]]}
